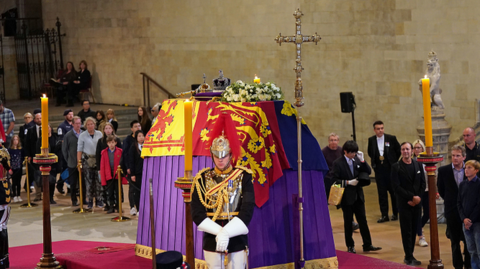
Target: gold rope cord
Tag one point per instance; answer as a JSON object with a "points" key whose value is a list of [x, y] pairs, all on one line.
{"points": [[222, 195], [217, 203]]}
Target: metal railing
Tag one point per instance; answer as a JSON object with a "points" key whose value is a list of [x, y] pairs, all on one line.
{"points": [[39, 57], [147, 80]]}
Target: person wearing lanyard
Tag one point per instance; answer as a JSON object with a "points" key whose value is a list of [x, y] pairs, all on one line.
{"points": [[86, 153]]}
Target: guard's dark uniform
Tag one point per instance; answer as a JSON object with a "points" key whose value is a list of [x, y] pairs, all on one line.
{"points": [[241, 204], [5, 198]]}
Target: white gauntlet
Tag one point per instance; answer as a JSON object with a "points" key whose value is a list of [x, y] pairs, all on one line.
{"points": [[234, 228], [209, 226]]}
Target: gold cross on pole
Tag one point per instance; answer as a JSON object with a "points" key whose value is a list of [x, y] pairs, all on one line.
{"points": [[298, 39]]}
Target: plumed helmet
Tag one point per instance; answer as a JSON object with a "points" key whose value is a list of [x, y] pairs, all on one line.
{"points": [[220, 147], [225, 138]]}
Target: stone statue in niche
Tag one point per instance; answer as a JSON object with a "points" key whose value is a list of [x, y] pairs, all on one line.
{"points": [[440, 127], [433, 73]]}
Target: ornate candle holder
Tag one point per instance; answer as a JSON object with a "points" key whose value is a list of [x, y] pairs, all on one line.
{"points": [[45, 160], [430, 159], [185, 184]]}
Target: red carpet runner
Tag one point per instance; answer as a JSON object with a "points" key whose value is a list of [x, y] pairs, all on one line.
{"points": [[89, 255], [74, 254]]}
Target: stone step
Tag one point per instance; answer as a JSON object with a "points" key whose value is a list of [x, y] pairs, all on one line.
{"points": [[122, 119], [122, 131], [123, 114]]}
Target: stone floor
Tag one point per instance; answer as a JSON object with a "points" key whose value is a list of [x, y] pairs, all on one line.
{"points": [[25, 227], [387, 235]]}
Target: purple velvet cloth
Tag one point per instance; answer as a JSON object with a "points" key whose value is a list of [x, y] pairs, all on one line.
{"points": [[206, 96], [271, 236]]}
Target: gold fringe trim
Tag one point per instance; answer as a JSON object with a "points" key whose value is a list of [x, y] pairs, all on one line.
{"points": [[330, 263], [327, 263], [145, 252]]}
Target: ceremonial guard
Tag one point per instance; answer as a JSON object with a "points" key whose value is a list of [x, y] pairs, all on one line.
{"points": [[223, 200], [5, 198]]}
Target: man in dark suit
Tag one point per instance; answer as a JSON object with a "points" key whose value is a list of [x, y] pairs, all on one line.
{"points": [[351, 171], [29, 123], [24, 128], [449, 178], [30, 149], [472, 149], [408, 181], [384, 151]]}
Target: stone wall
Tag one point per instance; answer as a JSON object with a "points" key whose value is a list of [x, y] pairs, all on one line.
{"points": [[375, 48], [10, 64]]}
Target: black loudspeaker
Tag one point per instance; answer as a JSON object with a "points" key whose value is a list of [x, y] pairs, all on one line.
{"points": [[347, 100]]}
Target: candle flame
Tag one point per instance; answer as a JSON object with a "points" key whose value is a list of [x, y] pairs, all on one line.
{"points": [[256, 76], [425, 76], [44, 96]]}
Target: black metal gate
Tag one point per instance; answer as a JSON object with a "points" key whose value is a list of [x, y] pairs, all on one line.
{"points": [[2, 73], [39, 57]]}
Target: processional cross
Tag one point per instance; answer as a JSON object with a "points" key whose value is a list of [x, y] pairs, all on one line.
{"points": [[298, 39]]}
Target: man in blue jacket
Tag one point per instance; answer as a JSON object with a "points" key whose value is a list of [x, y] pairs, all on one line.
{"points": [[449, 178], [469, 210]]}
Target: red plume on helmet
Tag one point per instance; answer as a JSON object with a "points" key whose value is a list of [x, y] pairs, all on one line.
{"points": [[225, 124]]}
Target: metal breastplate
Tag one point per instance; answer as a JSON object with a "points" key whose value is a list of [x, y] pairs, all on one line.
{"points": [[229, 209]]}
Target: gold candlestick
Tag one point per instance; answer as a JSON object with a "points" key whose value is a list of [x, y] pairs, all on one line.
{"points": [[430, 159]]}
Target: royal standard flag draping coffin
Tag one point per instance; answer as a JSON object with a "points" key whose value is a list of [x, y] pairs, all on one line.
{"points": [[259, 151]]}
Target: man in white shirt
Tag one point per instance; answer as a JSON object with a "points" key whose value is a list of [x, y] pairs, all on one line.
{"points": [[31, 138], [384, 151]]}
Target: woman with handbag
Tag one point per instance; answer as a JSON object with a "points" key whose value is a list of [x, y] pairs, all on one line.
{"points": [[86, 150]]}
